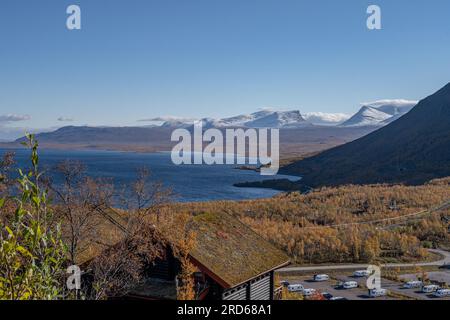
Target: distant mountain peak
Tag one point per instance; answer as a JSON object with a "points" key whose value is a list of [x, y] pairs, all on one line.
{"points": [[260, 119], [367, 116], [380, 113], [324, 118]]}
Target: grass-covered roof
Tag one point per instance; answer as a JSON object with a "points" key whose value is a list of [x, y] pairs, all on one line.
{"points": [[232, 251], [228, 250]]}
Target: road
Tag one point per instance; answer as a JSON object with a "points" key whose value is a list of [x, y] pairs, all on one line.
{"points": [[443, 261], [443, 206]]}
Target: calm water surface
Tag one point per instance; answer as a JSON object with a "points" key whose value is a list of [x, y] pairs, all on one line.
{"points": [[189, 182]]}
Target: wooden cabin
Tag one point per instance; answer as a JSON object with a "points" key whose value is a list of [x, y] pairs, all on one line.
{"points": [[232, 263]]}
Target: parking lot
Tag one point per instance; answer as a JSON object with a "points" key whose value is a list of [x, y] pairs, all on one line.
{"points": [[437, 276], [395, 288], [330, 286]]}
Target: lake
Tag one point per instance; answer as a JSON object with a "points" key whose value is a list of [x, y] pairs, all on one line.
{"points": [[188, 182]]}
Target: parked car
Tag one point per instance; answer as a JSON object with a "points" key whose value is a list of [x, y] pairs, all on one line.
{"points": [[374, 293], [337, 298], [327, 295], [350, 285], [429, 289], [413, 284], [295, 288], [441, 293], [321, 277], [309, 292], [361, 273]]}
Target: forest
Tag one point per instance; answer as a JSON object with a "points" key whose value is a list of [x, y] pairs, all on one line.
{"points": [[370, 223]]}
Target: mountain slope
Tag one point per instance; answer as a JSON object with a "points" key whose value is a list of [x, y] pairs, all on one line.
{"points": [[393, 107], [260, 119], [379, 113], [97, 135], [287, 119], [367, 116], [412, 150], [325, 119]]}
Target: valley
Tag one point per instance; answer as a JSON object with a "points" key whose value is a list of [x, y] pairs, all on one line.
{"points": [[356, 224], [294, 142]]}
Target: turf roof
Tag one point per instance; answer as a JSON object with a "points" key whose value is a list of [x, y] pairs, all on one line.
{"points": [[231, 250]]}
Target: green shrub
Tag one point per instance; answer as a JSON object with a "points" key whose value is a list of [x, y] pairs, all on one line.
{"points": [[32, 254]]}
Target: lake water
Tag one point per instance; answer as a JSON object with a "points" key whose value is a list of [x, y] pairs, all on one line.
{"points": [[188, 182]]}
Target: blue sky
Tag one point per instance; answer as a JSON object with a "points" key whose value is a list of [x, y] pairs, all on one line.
{"points": [[139, 59]]}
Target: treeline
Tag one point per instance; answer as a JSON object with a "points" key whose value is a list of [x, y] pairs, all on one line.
{"points": [[347, 224]]}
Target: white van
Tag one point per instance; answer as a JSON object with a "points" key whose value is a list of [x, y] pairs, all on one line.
{"points": [[295, 288], [309, 292], [321, 277], [413, 284], [361, 273], [430, 288], [350, 285], [441, 293], [374, 293]]}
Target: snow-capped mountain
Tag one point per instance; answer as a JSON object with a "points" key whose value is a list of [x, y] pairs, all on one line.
{"points": [[244, 119], [285, 119], [392, 107], [379, 113], [326, 119], [367, 116], [260, 119], [177, 124]]}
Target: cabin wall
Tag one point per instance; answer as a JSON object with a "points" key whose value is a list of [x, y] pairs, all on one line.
{"points": [[237, 293], [260, 288]]}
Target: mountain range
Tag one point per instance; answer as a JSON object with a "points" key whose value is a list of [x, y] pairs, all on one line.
{"points": [[375, 114], [294, 142], [260, 119], [412, 150]]}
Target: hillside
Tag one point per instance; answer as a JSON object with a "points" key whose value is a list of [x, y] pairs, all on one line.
{"points": [[380, 113], [141, 139], [367, 116], [411, 150], [295, 142], [299, 223]]}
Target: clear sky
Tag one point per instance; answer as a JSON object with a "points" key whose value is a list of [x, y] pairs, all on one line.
{"points": [[136, 59]]}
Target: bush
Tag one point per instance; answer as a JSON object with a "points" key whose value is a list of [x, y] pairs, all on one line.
{"points": [[32, 253]]}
